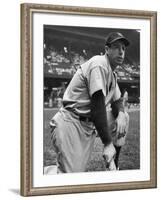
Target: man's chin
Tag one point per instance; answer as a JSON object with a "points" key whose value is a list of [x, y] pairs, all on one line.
{"points": [[119, 63]]}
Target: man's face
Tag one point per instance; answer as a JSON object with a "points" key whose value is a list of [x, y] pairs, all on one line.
{"points": [[116, 53]]}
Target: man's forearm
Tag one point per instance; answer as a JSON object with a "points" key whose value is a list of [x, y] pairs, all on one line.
{"points": [[98, 113], [117, 106]]}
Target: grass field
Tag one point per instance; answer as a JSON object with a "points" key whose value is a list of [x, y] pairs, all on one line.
{"points": [[130, 153]]}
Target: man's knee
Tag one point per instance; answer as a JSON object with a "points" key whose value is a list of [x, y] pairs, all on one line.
{"points": [[127, 117], [121, 141]]}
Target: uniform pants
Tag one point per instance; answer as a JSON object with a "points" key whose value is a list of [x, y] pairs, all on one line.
{"points": [[73, 140]]}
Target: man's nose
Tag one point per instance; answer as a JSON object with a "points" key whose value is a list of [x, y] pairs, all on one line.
{"points": [[121, 51]]}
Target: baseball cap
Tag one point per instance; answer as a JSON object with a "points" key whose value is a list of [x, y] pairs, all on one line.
{"points": [[114, 36]]}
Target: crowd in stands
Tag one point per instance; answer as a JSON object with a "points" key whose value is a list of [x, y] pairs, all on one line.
{"points": [[65, 62]]}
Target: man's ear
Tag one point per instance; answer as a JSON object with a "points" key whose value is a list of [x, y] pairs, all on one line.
{"points": [[106, 49]]}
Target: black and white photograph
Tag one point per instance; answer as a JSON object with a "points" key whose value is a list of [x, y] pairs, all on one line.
{"points": [[91, 99], [88, 99]]}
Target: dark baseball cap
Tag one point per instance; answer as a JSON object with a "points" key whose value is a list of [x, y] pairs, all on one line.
{"points": [[114, 36]]}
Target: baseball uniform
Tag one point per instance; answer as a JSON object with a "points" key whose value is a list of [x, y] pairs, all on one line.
{"points": [[74, 133]]}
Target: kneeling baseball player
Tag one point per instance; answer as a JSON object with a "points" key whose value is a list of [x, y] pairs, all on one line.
{"points": [[92, 101]]}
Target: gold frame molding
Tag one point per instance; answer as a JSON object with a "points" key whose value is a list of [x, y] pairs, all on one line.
{"points": [[27, 11]]}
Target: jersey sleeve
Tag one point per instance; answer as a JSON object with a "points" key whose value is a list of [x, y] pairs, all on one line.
{"points": [[97, 80], [117, 93]]}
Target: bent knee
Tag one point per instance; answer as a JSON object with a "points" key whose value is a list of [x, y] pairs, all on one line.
{"points": [[127, 117]]}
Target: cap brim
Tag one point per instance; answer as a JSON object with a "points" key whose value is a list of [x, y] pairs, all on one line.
{"points": [[124, 40]]}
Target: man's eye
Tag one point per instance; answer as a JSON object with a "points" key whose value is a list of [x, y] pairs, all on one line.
{"points": [[115, 46], [123, 48], [118, 47]]}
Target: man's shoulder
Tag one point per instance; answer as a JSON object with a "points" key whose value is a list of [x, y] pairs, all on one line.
{"points": [[96, 62], [99, 61], [98, 58]]}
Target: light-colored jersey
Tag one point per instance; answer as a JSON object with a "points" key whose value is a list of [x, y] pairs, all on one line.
{"points": [[94, 75]]}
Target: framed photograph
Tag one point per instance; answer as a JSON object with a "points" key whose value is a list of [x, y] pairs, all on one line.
{"points": [[88, 99]]}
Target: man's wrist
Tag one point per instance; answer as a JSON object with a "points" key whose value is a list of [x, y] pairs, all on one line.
{"points": [[108, 144], [117, 106], [121, 112], [105, 137]]}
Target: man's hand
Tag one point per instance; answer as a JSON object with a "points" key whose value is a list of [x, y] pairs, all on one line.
{"points": [[121, 123], [109, 153]]}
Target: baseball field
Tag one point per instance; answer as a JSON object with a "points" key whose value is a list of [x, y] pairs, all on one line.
{"points": [[130, 153]]}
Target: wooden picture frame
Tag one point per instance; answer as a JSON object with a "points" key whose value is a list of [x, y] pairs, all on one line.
{"points": [[28, 94]]}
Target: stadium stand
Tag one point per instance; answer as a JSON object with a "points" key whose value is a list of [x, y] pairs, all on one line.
{"points": [[65, 48]]}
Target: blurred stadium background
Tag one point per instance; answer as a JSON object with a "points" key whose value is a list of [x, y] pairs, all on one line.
{"points": [[66, 47]]}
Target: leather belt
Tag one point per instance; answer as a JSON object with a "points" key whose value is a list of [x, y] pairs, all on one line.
{"points": [[81, 118]]}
